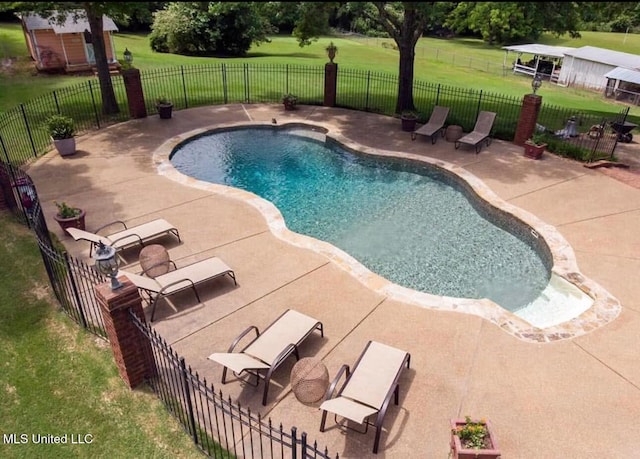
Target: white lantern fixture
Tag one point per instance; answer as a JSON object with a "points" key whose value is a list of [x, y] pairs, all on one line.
{"points": [[107, 264]]}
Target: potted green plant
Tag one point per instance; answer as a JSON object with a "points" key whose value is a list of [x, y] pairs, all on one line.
{"points": [[68, 216], [289, 101], [473, 439], [62, 131], [409, 120], [534, 147], [164, 105], [331, 51]]}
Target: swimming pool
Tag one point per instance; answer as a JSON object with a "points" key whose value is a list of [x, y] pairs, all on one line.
{"points": [[406, 221]]}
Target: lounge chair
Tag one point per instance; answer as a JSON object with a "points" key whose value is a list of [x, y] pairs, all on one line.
{"points": [[367, 389], [434, 126], [269, 349], [127, 236], [179, 279], [481, 132]]}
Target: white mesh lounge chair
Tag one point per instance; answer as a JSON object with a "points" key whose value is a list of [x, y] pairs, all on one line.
{"points": [[179, 279], [367, 389], [126, 237], [269, 349], [481, 132], [434, 126]]}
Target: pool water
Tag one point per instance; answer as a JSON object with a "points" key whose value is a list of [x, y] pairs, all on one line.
{"points": [[404, 221]]}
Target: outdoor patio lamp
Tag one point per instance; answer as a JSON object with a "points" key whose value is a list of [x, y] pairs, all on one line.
{"points": [[536, 83], [107, 264], [128, 56]]}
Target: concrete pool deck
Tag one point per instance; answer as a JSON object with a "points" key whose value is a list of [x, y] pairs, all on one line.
{"points": [[565, 398]]}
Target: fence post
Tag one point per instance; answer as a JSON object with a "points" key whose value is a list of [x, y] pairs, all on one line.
{"points": [[55, 99], [286, 79], [294, 444], [135, 95], [224, 84], [187, 393], [93, 101], [184, 87], [479, 102], [26, 123], [246, 83], [366, 101], [130, 348], [330, 83], [74, 289], [531, 104]]}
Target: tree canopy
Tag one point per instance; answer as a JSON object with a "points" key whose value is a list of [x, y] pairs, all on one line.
{"points": [[208, 28], [513, 22]]}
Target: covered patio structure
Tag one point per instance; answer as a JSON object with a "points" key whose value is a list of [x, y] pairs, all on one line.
{"points": [[546, 60], [623, 85]]}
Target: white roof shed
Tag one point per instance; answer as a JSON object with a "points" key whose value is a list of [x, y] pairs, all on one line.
{"points": [[33, 21], [546, 62], [540, 50], [588, 66]]}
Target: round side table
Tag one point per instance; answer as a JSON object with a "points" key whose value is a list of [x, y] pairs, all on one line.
{"points": [[453, 133], [154, 260], [309, 379]]}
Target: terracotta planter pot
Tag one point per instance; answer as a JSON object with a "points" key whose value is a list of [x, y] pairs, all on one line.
{"points": [[73, 222], [533, 151], [459, 452]]}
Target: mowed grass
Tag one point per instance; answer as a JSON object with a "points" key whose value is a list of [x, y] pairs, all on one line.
{"points": [[461, 62], [56, 379]]}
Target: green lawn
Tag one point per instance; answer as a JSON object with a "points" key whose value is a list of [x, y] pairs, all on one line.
{"points": [[464, 63], [57, 379]]}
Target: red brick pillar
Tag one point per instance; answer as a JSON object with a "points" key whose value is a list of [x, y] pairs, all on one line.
{"points": [[330, 84], [131, 349], [135, 96], [528, 118]]}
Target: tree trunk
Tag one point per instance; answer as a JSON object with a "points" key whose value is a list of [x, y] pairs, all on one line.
{"points": [[410, 31], [405, 78], [109, 102]]}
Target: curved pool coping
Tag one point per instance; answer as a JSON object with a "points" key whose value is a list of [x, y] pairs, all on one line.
{"points": [[605, 307]]}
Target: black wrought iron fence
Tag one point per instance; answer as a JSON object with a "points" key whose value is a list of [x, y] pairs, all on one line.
{"points": [[220, 427], [23, 136], [578, 134]]}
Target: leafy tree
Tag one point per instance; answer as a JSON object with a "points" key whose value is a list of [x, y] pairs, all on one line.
{"points": [[283, 16], [140, 17], [403, 21], [512, 22], [214, 28], [93, 12]]}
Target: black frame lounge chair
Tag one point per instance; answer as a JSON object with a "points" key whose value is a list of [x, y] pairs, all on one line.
{"points": [[481, 132], [179, 279], [269, 349], [368, 389], [434, 126], [126, 237]]}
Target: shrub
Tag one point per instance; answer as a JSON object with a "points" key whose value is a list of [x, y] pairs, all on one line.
{"points": [[66, 211], [222, 28], [60, 127]]}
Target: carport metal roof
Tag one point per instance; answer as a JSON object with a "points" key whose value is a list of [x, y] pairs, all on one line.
{"points": [[619, 73], [540, 50]]}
